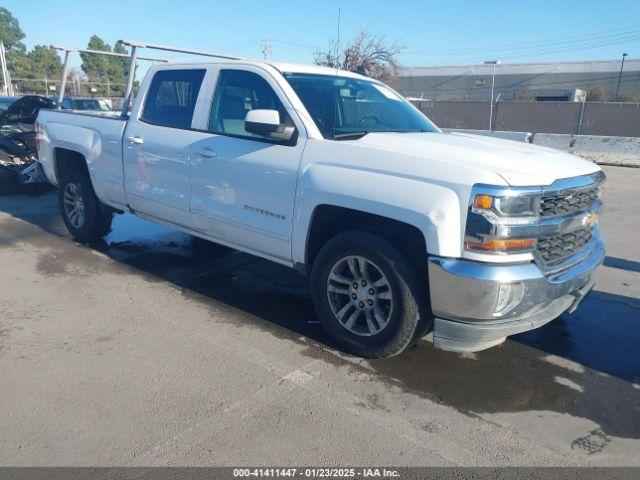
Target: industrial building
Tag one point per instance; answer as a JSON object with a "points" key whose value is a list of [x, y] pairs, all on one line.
{"points": [[557, 81]]}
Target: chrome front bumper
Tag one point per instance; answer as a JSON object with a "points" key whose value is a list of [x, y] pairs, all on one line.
{"points": [[477, 305]]}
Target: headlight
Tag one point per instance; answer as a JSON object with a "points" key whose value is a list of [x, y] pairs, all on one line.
{"points": [[502, 220], [518, 206]]}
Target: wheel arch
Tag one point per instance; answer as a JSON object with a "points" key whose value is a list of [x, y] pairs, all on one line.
{"points": [[65, 159], [327, 220]]}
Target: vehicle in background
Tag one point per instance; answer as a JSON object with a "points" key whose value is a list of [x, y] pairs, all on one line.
{"points": [[18, 157], [402, 229], [87, 104], [5, 102]]}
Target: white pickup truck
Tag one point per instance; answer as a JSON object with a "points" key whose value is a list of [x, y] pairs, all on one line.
{"points": [[402, 229]]}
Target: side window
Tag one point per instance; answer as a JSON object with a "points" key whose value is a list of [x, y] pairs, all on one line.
{"points": [[238, 92], [172, 97]]}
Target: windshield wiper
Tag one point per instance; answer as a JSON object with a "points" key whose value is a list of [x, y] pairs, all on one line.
{"points": [[350, 135]]}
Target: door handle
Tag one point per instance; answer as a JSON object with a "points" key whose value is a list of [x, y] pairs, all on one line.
{"points": [[136, 140], [206, 152]]}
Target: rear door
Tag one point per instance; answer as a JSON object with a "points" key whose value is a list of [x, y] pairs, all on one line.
{"points": [[243, 185], [157, 144]]}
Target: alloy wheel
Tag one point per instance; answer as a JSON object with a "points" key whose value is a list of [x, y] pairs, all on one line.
{"points": [[74, 204], [360, 295]]}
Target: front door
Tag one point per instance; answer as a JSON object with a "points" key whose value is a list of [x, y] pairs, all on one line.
{"points": [[243, 185]]}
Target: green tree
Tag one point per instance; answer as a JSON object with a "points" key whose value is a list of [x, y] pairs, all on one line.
{"points": [[11, 35], [43, 65], [10, 32], [107, 72]]}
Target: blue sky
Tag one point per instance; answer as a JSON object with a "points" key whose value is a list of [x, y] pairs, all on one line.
{"points": [[434, 33]]}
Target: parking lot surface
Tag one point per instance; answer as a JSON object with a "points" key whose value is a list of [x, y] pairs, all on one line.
{"points": [[154, 348]]}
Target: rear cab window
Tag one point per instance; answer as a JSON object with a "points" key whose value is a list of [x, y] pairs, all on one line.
{"points": [[171, 99]]}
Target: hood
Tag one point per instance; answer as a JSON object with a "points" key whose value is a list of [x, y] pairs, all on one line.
{"points": [[519, 163]]}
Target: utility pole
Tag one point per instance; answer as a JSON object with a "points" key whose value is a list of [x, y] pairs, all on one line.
{"points": [[5, 77], [493, 84], [620, 77], [338, 43], [266, 49]]}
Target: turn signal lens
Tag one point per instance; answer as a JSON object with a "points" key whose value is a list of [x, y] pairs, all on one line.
{"points": [[482, 201], [503, 245]]}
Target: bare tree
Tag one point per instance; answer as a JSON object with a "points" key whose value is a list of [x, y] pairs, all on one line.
{"points": [[595, 93], [525, 96], [367, 54]]}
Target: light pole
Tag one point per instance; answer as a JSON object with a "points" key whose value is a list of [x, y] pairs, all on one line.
{"points": [[493, 84], [620, 77]]}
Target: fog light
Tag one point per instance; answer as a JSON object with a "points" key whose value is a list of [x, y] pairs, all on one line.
{"points": [[509, 296]]}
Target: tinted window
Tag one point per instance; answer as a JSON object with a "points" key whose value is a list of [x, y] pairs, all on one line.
{"points": [[172, 97], [238, 92]]}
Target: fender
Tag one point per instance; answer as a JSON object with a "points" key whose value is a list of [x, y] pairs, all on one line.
{"points": [[433, 209], [78, 139], [98, 139]]}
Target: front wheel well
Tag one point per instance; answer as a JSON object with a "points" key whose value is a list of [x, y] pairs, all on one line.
{"points": [[66, 160], [329, 220]]}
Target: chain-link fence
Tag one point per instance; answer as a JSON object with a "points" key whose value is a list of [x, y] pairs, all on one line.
{"points": [[75, 87], [582, 118]]}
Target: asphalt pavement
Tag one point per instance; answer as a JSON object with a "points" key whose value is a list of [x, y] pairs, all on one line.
{"points": [[154, 348]]}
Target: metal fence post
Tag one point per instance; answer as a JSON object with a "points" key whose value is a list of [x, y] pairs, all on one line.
{"points": [[584, 102], [495, 115]]}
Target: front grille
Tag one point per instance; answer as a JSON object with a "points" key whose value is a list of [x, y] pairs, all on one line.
{"points": [[567, 203], [562, 246]]}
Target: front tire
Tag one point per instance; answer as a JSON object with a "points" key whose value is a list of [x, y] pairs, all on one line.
{"points": [[368, 296], [80, 208]]}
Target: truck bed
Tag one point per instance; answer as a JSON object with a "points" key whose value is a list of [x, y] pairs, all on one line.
{"points": [[97, 136]]}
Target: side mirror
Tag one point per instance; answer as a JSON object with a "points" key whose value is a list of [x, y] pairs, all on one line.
{"points": [[266, 123], [262, 122]]}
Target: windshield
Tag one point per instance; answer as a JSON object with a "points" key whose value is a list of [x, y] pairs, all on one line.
{"points": [[344, 107]]}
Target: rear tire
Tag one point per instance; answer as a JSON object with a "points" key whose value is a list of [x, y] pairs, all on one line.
{"points": [[82, 212], [368, 296]]}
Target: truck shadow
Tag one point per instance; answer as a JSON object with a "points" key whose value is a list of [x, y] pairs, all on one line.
{"points": [[585, 364]]}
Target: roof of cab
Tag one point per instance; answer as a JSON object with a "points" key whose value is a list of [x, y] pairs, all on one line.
{"points": [[280, 66], [313, 69]]}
